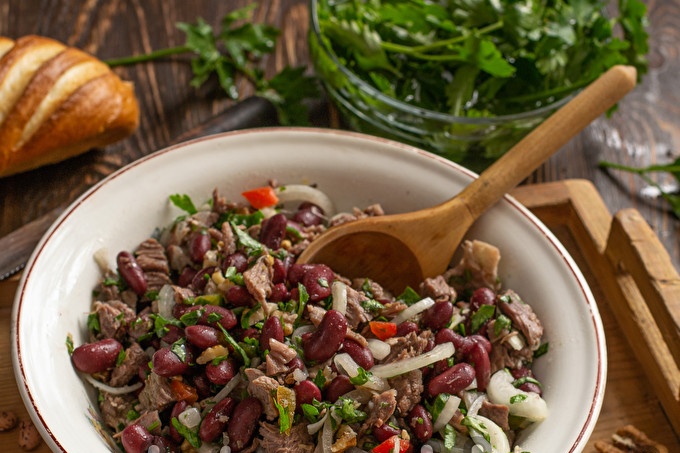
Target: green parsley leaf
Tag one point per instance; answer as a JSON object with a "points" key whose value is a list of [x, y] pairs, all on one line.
{"points": [[542, 349], [184, 203], [517, 398], [285, 416], [502, 322], [347, 409], [482, 315], [449, 435], [409, 296], [189, 434], [69, 344], [372, 305], [475, 424], [362, 377], [93, 323], [253, 247], [179, 348], [234, 344], [437, 405], [518, 382], [310, 412], [121, 357]]}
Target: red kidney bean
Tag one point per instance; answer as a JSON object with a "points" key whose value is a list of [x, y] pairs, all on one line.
{"points": [[227, 318], [203, 337], [420, 421], [163, 444], [239, 296], [385, 431], [273, 231], [306, 392], [309, 214], [279, 293], [453, 380], [179, 310], [439, 315], [201, 279], [136, 439], [199, 244], [481, 340], [215, 421], [202, 385], [238, 260], [173, 334], [186, 276], [519, 373], [407, 327], [220, 373], [317, 281], [167, 364], [272, 328], [482, 296], [361, 354], [243, 423], [325, 341], [295, 364], [338, 387], [131, 272], [296, 272], [480, 360], [178, 408], [96, 357], [448, 335]]}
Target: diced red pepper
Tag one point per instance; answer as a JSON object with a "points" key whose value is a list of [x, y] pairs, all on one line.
{"points": [[394, 444], [183, 391], [382, 329], [261, 197]]}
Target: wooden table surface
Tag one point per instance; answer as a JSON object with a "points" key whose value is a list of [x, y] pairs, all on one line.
{"points": [[645, 130]]}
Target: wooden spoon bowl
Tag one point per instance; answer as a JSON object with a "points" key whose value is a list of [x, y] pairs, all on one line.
{"points": [[401, 250]]}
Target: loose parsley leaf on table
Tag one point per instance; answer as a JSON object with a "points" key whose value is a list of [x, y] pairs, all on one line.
{"points": [[234, 52], [673, 168]]}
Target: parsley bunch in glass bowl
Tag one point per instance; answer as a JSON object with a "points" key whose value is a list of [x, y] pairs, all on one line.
{"points": [[467, 79]]}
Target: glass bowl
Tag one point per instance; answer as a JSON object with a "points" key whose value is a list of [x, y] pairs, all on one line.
{"points": [[472, 142]]}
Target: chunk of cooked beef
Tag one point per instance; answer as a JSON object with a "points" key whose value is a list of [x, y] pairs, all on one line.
{"points": [[355, 312], [150, 420], [135, 357], [409, 387], [380, 409], [114, 317], [279, 355], [504, 356], [274, 441], [477, 268], [356, 214], [261, 387], [228, 245], [374, 288], [438, 289], [152, 259], [522, 317], [178, 258], [156, 394], [115, 408], [407, 346], [258, 279], [497, 413]]}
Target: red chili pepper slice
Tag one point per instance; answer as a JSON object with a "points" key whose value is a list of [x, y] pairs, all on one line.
{"points": [[261, 197], [382, 329], [393, 445], [183, 391]]}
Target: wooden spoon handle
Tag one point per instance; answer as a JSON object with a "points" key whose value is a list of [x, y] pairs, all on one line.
{"points": [[523, 158]]}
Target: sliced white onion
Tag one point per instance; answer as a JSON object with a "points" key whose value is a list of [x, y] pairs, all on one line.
{"points": [[529, 405], [314, 428], [190, 417], [154, 449], [413, 310], [345, 363], [226, 390], [112, 390], [300, 375], [516, 342], [327, 435], [439, 352], [166, 302], [102, 258], [476, 404], [297, 333], [379, 348], [447, 413], [497, 438], [339, 292], [302, 192], [225, 449]]}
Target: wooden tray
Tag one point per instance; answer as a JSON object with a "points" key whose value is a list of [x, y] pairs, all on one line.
{"points": [[625, 265]]}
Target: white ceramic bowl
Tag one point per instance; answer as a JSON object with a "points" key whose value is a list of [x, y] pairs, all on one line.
{"points": [[55, 291]]}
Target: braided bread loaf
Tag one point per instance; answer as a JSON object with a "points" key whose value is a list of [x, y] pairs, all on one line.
{"points": [[57, 102]]}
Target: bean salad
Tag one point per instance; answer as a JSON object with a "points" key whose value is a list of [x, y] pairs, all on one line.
{"points": [[209, 337]]}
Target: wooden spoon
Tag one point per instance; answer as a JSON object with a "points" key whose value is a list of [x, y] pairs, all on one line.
{"points": [[403, 249]]}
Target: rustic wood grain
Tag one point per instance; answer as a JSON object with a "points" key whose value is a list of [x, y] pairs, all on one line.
{"points": [[645, 130]]}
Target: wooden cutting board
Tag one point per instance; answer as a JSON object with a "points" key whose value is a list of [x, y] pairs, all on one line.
{"points": [[636, 287]]}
